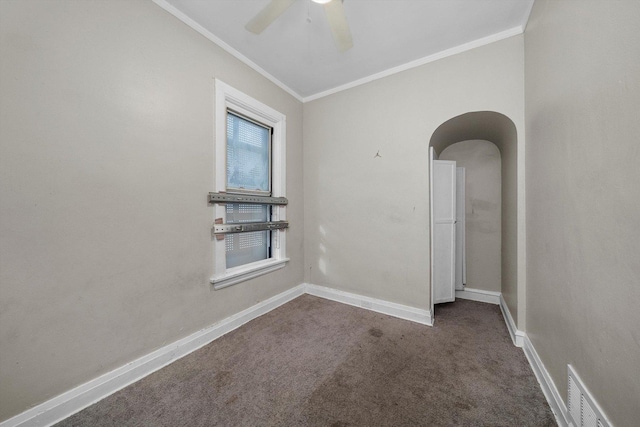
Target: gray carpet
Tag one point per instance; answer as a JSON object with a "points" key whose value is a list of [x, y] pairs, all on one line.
{"points": [[314, 362]]}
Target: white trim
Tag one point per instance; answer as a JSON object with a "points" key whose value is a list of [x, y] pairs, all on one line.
{"points": [[479, 295], [379, 306], [227, 97], [78, 398], [407, 66], [432, 158], [206, 33], [240, 100], [257, 269], [516, 336], [549, 389], [418, 62]]}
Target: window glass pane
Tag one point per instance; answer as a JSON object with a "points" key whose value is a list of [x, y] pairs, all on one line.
{"points": [[243, 248], [247, 154]]}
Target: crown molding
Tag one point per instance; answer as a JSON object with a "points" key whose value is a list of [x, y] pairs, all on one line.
{"points": [[388, 72], [203, 31], [418, 62]]}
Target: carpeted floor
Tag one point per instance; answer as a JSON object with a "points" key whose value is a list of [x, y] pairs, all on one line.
{"points": [[314, 362]]}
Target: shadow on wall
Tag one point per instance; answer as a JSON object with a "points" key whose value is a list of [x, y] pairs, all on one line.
{"points": [[482, 237], [499, 129]]}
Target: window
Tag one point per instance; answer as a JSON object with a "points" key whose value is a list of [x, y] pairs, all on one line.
{"points": [[250, 159], [248, 172]]}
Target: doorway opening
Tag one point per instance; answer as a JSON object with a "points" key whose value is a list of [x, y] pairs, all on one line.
{"points": [[498, 129]]}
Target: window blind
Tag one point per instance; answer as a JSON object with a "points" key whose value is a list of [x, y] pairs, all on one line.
{"points": [[248, 155], [248, 170]]}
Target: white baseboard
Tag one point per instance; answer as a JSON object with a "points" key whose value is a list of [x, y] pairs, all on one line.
{"points": [[549, 389], [74, 400], [380, 306], [479, 295], [516, 336]]}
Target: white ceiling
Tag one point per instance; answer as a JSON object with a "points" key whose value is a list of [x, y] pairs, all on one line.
{"points": [[298, 53]]}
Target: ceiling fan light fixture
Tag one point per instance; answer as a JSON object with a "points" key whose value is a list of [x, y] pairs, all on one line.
{"points": [[334, 10]]}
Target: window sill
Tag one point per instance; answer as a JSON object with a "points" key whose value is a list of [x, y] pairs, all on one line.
{"points": [[240, 274]]}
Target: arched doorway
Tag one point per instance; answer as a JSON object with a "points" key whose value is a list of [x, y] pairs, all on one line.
{"points": [[500, 130]]}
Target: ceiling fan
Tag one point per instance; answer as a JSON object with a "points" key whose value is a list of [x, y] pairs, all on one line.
{"points": [[335, 15]]}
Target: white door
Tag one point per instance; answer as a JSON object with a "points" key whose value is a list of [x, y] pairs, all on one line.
{"points": [[432, 156], [444, 231], [461, 267]]}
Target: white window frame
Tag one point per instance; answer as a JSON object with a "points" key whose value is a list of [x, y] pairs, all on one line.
{"points": [[229, 98]]}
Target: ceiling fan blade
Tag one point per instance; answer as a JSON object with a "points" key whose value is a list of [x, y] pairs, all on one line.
{"points": [[339, 25], [266, 16]]}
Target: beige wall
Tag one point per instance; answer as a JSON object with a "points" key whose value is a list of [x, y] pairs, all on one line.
{"points": [[481, 160], [513, 244], [583, 106], [367, 217], [106, 161]]}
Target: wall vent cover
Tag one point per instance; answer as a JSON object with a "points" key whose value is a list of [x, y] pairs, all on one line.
{"points": [[582, 409]]}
